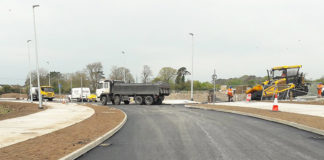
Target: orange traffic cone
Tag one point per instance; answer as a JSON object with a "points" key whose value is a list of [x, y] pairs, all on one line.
{"points": [[248, 97], [275, 106]]}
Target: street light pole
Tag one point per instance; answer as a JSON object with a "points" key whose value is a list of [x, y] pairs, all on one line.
{"points": [[37, 66], [81, 90], [192, 72], [49, 75], [124, 68], [30, 83], [214, 77]]}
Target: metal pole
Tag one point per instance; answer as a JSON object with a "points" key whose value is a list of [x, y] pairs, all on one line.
{"points": [[59, 85], [49, 75], [192, 72], [40, 98], [214, 79], [81, 91], [71, 83], [124, 67], [30, 83]]}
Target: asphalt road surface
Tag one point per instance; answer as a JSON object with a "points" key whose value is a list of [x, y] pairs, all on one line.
{"points": [[169, 132]]}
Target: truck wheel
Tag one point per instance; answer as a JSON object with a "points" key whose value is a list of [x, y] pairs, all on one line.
{"points": [[138, 100], [159, 101], [161, 98], [149, 100], [103, 100], [126, 102], [117, 100]]}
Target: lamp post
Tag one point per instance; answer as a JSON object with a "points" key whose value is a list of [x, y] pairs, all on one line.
{"points": [[192, 72], [30, 83], [49, 75], [124, 68], [214, 77], [37, 66]]}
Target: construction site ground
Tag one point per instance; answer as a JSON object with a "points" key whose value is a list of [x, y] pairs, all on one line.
{"points": [[13, 109], [318, 102], [64, 141], [13, 95], [307, 109], [308, 120]]}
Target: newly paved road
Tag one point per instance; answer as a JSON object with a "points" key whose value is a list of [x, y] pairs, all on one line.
{"points": [[177, 133]]}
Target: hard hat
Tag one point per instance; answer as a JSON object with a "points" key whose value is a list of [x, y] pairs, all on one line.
{"points": [[230, 86]]}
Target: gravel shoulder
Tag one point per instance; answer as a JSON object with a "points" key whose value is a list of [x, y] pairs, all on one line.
{"points": [[307, 120], [62, 142], [14, 109]]}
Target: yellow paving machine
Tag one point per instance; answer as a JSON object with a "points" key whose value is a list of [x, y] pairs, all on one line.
{"points": [[286, 81]]}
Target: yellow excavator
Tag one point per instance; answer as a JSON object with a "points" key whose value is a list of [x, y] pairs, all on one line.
{"points": [[285, 81]]}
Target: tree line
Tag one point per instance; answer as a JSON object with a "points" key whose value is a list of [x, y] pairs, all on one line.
{"points": [[93, 72]]}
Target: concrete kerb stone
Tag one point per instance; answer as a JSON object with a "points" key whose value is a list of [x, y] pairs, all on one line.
{"points": [[95, 143], [288, 123]]}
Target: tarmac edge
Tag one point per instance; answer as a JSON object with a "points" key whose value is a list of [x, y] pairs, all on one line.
{"points": [[288, 123], [96, 142]]}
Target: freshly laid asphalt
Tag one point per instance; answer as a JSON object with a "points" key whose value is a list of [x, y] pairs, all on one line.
{"points": [[173, 132]]}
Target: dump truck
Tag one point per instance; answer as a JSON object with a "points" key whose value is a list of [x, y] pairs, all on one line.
{"points": [[285, 81], [143, 93], [47, 92]]}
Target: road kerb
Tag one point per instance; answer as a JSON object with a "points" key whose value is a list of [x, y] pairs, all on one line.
{"points": [[292, 124], [95, 143]]}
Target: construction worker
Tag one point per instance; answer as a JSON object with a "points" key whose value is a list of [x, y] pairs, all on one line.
{"points": [[319, 89], [284, 74], [230, 94]]}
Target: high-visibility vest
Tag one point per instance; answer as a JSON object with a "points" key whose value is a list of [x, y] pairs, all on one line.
{"points": [[230, 92], [320, 86]]}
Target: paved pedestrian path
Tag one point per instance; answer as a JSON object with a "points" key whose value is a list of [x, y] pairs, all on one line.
{"points": [[308, 109], [56, 117]]}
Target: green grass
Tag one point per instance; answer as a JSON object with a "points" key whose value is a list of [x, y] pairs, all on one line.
{"points": [[4, 109]]}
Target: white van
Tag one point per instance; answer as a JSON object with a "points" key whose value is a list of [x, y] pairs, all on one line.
{"points": [[76, 94]]}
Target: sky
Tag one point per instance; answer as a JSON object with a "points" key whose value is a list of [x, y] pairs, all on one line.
{"points": [[234, 37]]}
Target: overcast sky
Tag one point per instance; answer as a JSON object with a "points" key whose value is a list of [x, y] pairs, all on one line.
{"points": [[236, 37]]}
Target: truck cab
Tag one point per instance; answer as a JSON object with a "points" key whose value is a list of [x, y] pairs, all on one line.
{"points": [[47, 92], [103, 87]]}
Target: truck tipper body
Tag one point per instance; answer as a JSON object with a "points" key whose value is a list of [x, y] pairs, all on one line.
{"points": [[143, 93]]}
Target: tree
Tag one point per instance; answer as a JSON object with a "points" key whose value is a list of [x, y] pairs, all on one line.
{"points": [[43, 77], [94, 73], [181, 73], [167, 74], [146, 74], [180, 79], [117, 73]]}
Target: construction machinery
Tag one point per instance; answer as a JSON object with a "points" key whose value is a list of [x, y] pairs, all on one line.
{"points": [[285, 81], [47, 92], [143, 93]]}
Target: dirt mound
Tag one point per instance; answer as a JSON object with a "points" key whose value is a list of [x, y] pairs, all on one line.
{"points": [[13, 95], [12, 109]]}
